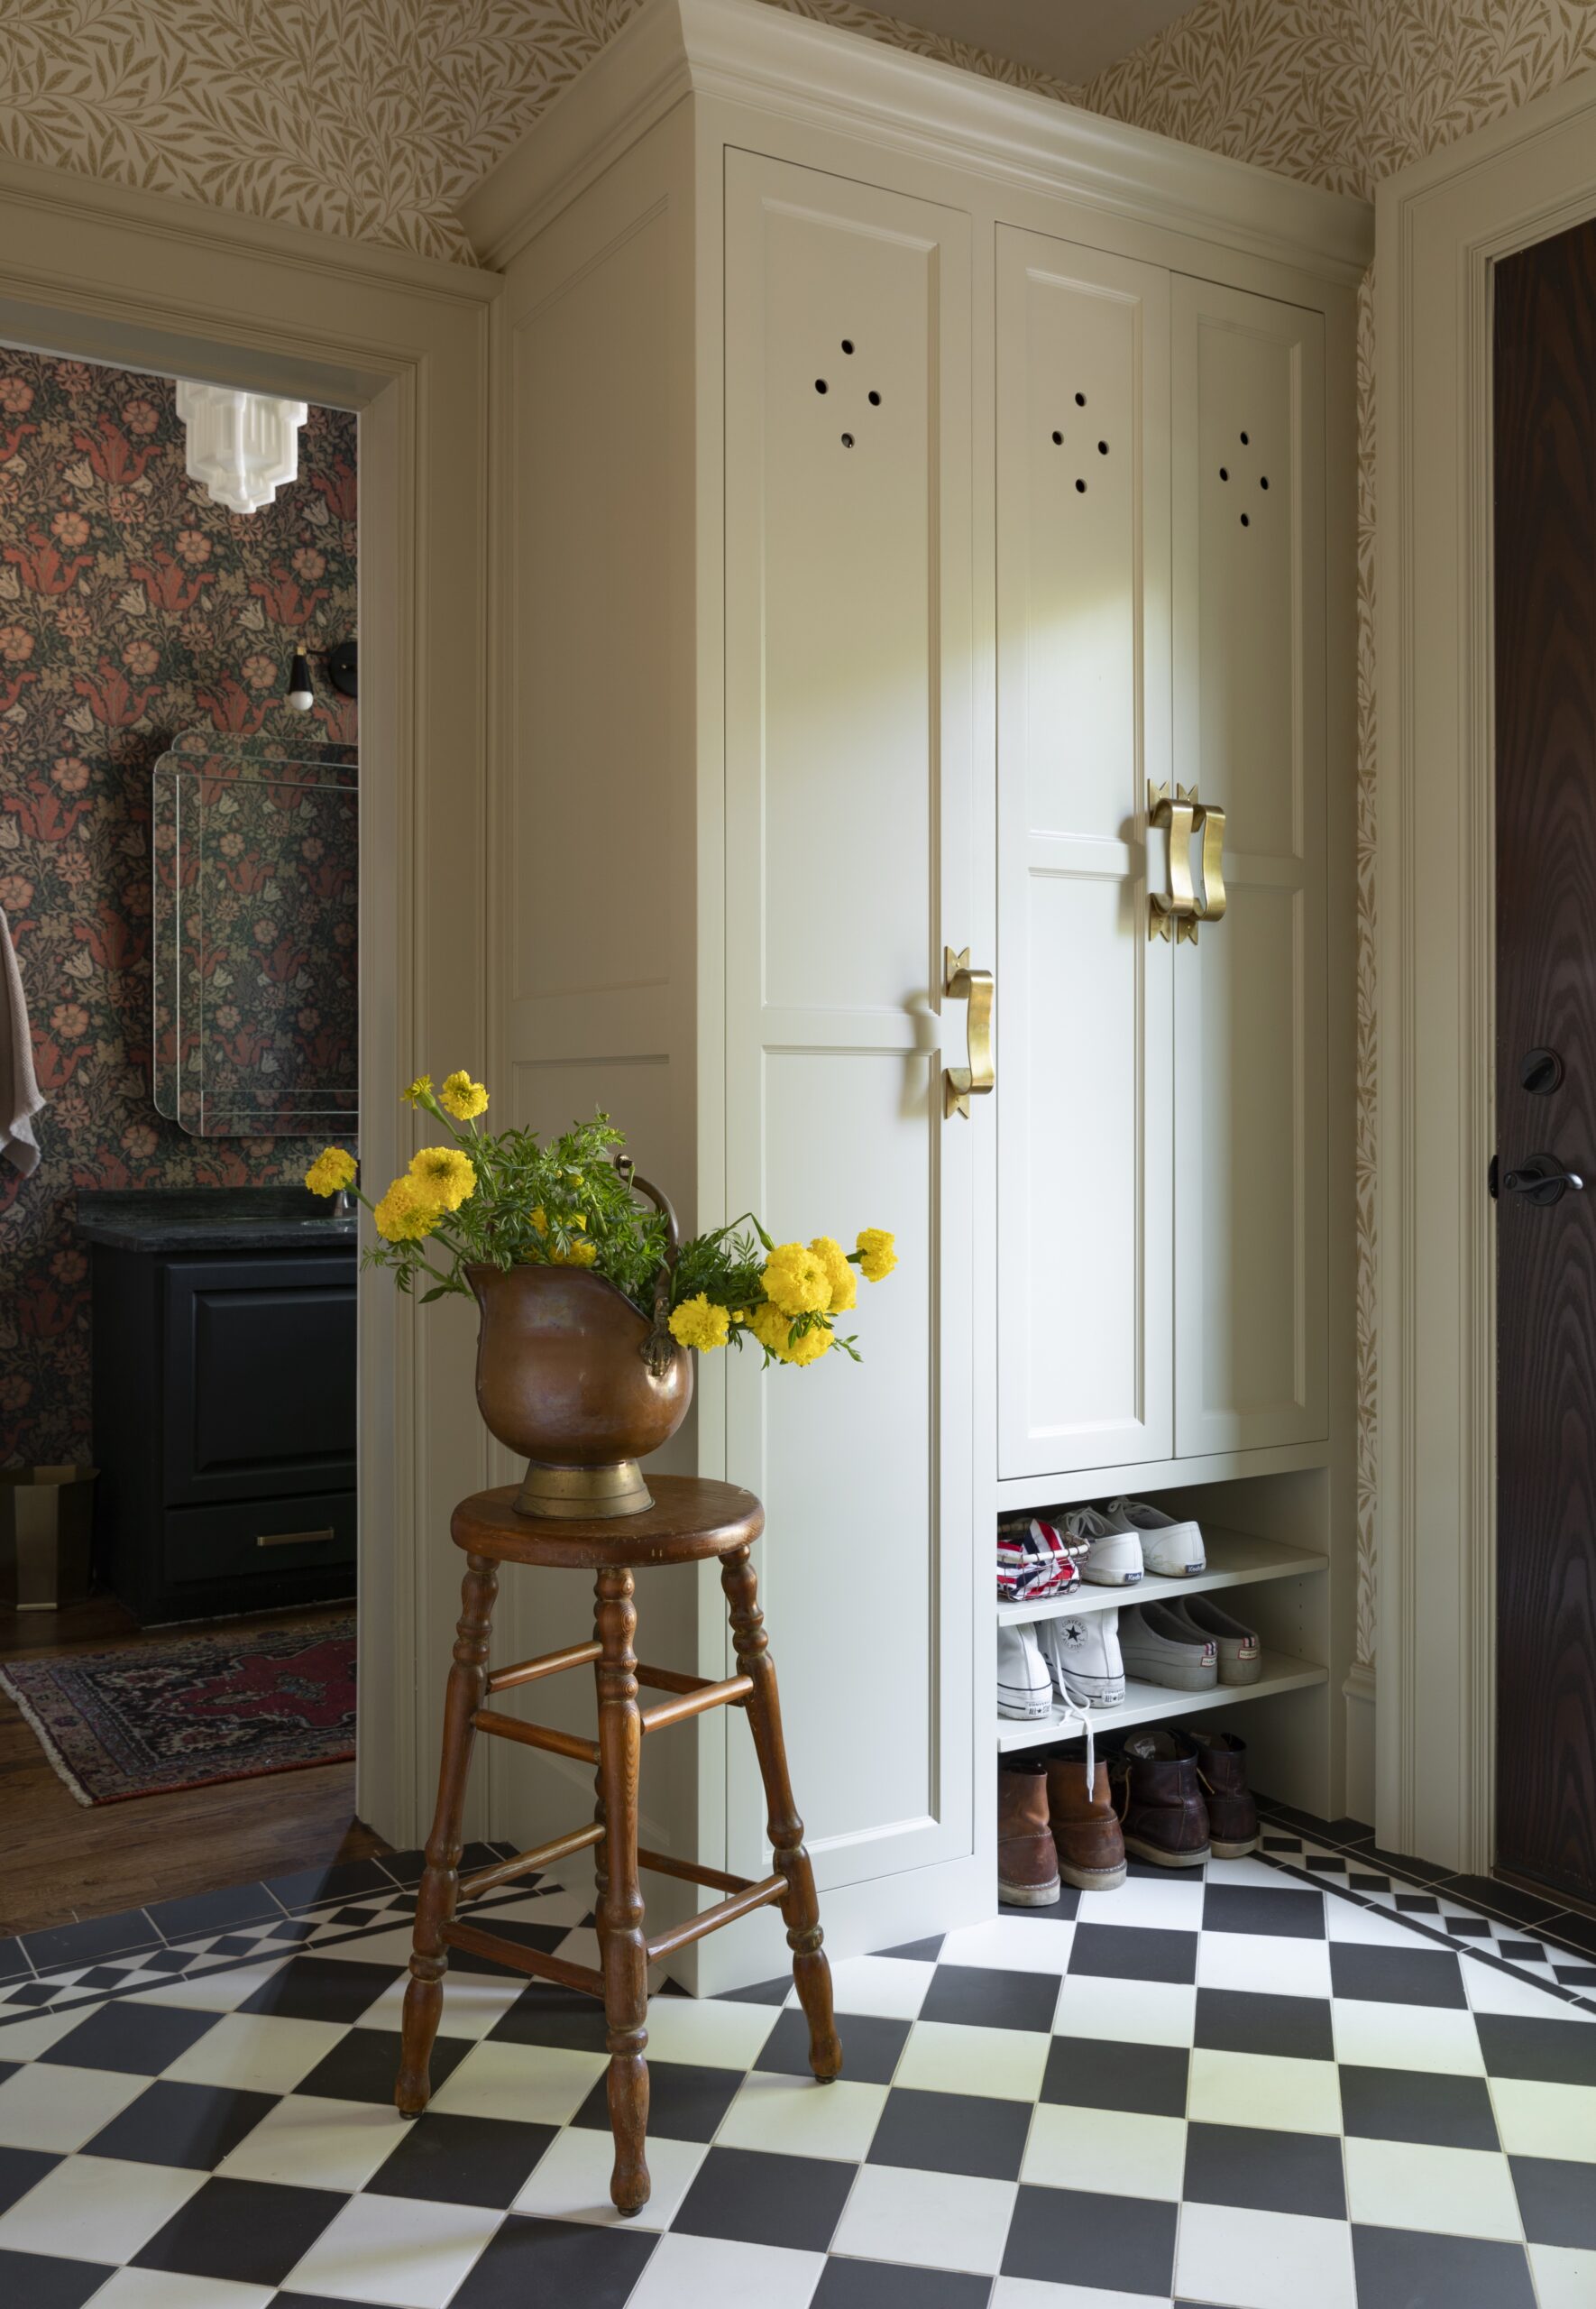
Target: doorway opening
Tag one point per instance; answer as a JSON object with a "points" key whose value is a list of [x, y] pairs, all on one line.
{"points": [[180, 876]]}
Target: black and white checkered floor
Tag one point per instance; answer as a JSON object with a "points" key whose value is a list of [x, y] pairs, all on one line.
{"points": [[1295, 2082]]}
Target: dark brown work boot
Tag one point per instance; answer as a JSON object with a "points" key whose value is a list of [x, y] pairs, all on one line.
{"points": [[1091, 1850], [1159, 1799], [1232, 1815], [1027, 1864]]}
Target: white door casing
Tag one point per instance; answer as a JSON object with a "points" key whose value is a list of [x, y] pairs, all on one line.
{"points": [[849, 838], [1085, 1193], [1249, 994]]}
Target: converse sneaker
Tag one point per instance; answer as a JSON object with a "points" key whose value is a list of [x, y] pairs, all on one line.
{"points": [[1240, 1659], [1083, 1657], [1113, 1558], [1162, 1647], [1171, 1547], [1024, 1690]]}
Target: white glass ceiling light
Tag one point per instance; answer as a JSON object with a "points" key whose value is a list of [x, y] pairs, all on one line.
{"points": [[241, 446]]}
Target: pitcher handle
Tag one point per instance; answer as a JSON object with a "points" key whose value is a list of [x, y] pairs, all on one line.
{"points": [[659, 1347]]}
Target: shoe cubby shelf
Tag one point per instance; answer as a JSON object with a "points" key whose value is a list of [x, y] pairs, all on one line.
{"points": [[1157, 1703], [1235, 1560]]}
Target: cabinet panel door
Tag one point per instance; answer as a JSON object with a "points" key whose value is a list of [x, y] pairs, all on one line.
{"points": [[1085, 1292], [849, 839], [1250, 995]]}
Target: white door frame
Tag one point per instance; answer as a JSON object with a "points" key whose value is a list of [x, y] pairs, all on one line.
{"points": [[139, 281], [1440, 227]]}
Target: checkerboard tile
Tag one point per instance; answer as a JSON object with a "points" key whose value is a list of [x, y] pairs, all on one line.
{"points": [[1300, 2078]]}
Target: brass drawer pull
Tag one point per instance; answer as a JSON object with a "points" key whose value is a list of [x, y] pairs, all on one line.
{"points": [[294, 1539]]}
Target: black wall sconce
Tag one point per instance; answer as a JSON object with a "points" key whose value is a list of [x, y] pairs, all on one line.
{"points": [[342, 665]]}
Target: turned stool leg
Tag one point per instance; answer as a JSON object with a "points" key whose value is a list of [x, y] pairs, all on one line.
{"points": [[440, 1883], [623, 1946], [801, 1908]]}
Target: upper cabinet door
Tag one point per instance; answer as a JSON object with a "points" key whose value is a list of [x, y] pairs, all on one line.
{"points": [[851, 837], [1085, 1196], [1250, 995]]}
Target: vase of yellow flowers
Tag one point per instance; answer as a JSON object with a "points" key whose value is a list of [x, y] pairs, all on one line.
{"points": [[589, 1303]]}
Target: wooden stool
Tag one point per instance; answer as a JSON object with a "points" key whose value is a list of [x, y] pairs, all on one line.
{"points": [[689, 1522]]}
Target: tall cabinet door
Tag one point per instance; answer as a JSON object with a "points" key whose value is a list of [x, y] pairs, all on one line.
{"points": [[851, 838], [1085, 1199], [1250, 995]]}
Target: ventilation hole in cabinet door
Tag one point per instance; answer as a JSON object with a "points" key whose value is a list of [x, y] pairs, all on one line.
{"points": [[1080, 400], [1057, 440], [1102, 448], [848, 345], [1244, 439], [1263, 483], [1246, 523], [1082, 487], [848, 441], [821, 385], [1224, 472], [876, 403]]}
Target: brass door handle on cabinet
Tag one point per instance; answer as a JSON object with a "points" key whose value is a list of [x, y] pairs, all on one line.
{"points": [[1175, 815], [1184, 817], [1208, 822], [978, 989]]}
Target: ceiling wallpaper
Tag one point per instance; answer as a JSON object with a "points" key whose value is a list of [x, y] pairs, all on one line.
{"points": [[369, 118], [1342, 93]]}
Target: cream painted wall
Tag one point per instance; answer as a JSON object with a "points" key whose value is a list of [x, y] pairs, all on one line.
{"points": [[373, 118]]}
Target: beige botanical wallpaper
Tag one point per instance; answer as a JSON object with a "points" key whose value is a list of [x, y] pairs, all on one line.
{"points": [[372, 118]]}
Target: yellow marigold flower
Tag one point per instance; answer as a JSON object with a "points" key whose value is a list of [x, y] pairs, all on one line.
{"points": [[332, 1171], [579, 1255], [463, 1097], [418, 1090], [796, 1281], [699, 1322], [845, 1291], [770, 1326], [405, 1214], [540, 1221], [879, 1256], [445, 1175]]}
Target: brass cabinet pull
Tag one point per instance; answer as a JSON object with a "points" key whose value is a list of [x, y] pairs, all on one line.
{"points": [[1175, 816], [978, 989], [293, 1538], [1209, 822]]}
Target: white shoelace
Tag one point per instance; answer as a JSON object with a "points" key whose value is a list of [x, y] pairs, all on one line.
{"points": [[1076, 1717]]}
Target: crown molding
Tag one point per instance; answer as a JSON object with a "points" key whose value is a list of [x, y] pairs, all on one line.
{"points": [[66, 192], [766, 59]]}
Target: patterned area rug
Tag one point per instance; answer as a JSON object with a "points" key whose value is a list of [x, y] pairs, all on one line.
{"points": [[149, 1719]]}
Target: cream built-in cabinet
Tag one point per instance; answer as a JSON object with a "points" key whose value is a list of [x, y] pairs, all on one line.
{"points": [[863, 556]]}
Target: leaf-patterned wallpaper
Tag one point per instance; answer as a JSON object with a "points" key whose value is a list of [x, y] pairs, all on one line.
{"points": [[372, 118], [131, 608]]}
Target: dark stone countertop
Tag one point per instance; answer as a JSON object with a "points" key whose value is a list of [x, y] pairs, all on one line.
{"points": [[212, 1219]]}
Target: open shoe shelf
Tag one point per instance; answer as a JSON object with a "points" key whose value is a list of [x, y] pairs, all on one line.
{"points": [[1235, 1560], [1156, 1703]]}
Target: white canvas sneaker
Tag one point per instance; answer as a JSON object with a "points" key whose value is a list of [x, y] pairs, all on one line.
{"points": [[1024, 1688], [1241, 1657], [1083, 1657], [1171, 1548], [1113, 1557]]}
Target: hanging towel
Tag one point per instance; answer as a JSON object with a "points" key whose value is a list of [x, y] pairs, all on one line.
{"points": [[21, 1098]]}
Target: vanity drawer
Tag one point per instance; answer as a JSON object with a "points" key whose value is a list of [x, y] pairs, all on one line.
{"points": [[264, 1540]]}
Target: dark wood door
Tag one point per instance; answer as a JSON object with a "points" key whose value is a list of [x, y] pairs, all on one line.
{"points": [[1546, 1062]]}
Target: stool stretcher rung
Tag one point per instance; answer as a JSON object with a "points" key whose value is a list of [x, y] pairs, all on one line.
{"points": [[549, 1663], [536, 1735], [686, 1703], [758, 1896], [520, 1959], [669, 1680], [504, 1871], [713, 1880]]}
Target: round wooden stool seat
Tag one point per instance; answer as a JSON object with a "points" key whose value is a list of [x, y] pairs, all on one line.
{"points": [[692, 1519]]}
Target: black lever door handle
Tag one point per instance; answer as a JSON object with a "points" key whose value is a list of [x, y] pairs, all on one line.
{"points": [[1543, 1180]]}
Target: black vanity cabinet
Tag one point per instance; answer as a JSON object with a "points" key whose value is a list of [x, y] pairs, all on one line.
{"points": [[224, 1419]]}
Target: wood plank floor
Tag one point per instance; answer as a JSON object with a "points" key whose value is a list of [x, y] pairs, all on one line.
{"points": [[65, 1860]]}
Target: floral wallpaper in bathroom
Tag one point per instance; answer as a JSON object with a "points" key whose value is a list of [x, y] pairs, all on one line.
{"points": [[132, 608]]}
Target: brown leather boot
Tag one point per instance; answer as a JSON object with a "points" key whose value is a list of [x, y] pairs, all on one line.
{"points": [[1027, 1864], [1159, 1799], [1232, 1815], [1091, 1850]]}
